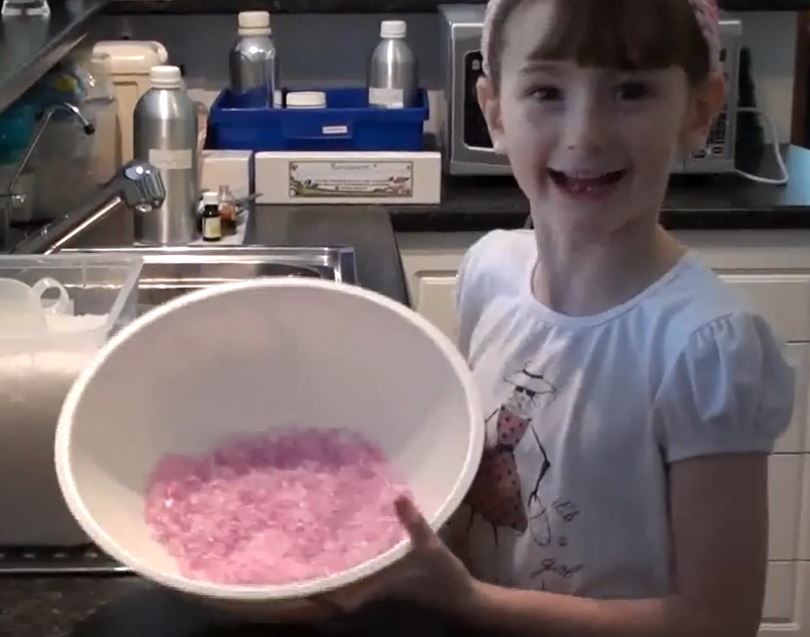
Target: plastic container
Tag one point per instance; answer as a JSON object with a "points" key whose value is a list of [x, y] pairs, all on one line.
{"points": [[313, 353], [36, 373], [346, 124], [306, 99], [101, 109], [130, 63]]}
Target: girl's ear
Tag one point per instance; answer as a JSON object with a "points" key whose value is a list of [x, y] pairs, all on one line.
{"points": [[706, 103], [490, 105]]}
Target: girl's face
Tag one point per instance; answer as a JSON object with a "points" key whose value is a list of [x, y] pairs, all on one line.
{"points": [[591, 148]]}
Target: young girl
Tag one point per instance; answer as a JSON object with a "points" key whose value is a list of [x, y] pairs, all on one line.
{"points": [[633, 398]]}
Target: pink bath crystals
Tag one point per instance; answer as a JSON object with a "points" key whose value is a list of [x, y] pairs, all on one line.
{"points": [[275, 508]]}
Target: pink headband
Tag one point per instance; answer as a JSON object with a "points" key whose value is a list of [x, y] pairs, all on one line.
{"points": [[706, 12]]}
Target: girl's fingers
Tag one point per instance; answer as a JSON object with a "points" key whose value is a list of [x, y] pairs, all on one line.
{"points": [[417, 527]]}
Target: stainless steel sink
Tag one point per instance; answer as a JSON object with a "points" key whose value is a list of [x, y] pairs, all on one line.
{"points": [[170, 272]]}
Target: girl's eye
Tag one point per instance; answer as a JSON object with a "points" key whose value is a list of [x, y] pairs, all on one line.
{"points": [[546, 94], [632, 91]]}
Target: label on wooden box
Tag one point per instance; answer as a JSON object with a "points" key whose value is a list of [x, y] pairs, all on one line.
{"points": [[348, 177], [376, 179]]}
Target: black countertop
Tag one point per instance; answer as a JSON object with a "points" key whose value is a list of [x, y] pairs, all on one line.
{"points": [[727, 202], [368, 6], [127, 606]]}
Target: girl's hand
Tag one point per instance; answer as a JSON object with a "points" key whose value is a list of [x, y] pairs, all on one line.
{"points": [[430, 574]]}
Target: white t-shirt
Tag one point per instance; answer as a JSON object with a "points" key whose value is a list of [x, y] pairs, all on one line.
{"points": [[584, 414]]}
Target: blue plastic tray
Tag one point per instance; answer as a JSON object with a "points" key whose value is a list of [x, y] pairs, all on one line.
{"points": [[347, 123]]}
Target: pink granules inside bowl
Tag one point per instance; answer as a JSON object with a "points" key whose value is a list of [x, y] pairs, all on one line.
{"points": [[275, 508]]}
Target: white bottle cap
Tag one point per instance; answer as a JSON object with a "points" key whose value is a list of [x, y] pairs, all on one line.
{"points": [[393, 29], [210, 198], [306, 99], [165, 77], [254, 23]]}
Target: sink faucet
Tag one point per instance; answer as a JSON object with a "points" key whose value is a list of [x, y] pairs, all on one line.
{"points": [[14, 199], [138, 188]]}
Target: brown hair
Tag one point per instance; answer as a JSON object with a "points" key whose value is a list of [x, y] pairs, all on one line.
{"points": [[628, 35]]}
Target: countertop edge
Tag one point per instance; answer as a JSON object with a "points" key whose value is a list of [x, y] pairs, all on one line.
{"points": [[364, 6]]}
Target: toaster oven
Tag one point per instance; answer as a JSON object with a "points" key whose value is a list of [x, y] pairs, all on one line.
{"points": [[466, 144]]}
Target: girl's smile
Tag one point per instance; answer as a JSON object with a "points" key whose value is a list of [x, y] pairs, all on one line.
{"points": [[587, 185]]}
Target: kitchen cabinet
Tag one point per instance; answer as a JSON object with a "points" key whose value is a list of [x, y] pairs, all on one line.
{"points": [[771, 270], [431, 262]]}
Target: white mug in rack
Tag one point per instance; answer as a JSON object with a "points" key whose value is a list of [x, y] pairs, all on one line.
{"points": [[63, 304]]}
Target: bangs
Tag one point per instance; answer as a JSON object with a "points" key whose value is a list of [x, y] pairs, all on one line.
{"points": [[628, 35]]}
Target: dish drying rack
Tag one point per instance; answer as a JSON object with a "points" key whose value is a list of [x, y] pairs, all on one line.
{"points": [[81, 560]]}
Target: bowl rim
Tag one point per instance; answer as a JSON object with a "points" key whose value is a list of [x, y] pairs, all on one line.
{"points": [[296, 590]]}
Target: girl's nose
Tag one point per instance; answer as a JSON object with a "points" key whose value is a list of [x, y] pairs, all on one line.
{"points": [[586, 126]]}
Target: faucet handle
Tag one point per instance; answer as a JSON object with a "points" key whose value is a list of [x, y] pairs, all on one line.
{"points": [[143, 187], [15, 199]]}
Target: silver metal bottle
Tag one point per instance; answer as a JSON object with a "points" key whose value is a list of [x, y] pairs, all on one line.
{"points": [[166, 136], [393, 71], [254, 61]]}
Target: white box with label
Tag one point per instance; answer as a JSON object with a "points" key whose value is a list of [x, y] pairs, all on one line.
{"points": [[227, 168], [348, 177]]}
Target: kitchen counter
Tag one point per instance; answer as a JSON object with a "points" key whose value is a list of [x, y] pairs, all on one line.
{"points": [[693, 202], [366, 228], [367, 6], [131, 607]]}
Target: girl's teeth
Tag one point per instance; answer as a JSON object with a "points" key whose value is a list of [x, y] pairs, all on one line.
{"points": [[580, 185]]}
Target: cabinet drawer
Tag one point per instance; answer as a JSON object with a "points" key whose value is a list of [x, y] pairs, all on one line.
{"points": [[783, 299], [785, 488], [787, 600], [804, 520], [780, 593], [797, 437]]}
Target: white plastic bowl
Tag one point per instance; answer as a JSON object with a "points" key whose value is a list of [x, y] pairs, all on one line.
{"points": [[248, 357]]}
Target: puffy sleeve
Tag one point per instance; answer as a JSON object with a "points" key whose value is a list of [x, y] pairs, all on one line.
{"points": [[729, 391]]}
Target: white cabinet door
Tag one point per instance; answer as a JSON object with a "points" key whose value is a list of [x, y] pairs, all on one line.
{"points": [[435, 294], [431, 262], [787, 600], [797, 437], [783, 299], [785, 497], [804, 522]]}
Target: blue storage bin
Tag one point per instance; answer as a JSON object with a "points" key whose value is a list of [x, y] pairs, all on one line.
{"points": [[347, 123]]}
